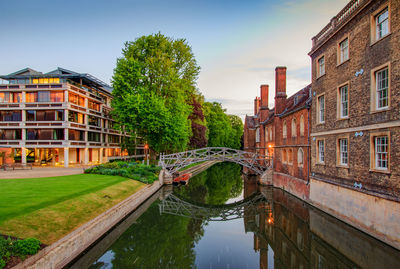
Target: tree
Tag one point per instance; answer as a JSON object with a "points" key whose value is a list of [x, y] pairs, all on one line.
{"points": [[199, 129], [223, 130], [153, 83]]}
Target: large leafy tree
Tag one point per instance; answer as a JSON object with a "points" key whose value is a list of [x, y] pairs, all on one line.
{"points": [[199, 128], [153, 83], [223, 130]]}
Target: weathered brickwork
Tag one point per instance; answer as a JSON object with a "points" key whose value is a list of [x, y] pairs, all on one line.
{"points": [[263, 133], [364, 121]]}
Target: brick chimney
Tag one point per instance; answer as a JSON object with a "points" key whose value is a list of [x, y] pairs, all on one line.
{"points": [[256, 105], [280, 89], [264, 111], [264, 89]]}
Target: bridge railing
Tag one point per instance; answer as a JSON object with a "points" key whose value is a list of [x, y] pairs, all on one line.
{"points": [[256, 162]]}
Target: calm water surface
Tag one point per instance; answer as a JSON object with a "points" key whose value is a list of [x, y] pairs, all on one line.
{"points": [[223, 220]]}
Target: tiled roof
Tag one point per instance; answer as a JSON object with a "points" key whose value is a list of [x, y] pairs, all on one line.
{"points": [[250, 122]]}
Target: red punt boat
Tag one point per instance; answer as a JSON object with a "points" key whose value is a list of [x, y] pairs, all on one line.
{"points": [[182, 179]]}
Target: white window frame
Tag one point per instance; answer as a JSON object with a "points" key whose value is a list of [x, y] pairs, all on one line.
{"points": [[381, 145], [380, 88], [321, 66], [321, 151], [344, 50], [344, 151], [344, 101], [294, 128], [321, 109], [382, 24]]}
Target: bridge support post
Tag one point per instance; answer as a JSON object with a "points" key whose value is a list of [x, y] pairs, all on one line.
{"points": [[165, 177], [266, 177]]}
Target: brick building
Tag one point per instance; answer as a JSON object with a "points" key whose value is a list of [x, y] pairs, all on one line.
{"points": [[59, 118], [282, 132], [355, 125]]}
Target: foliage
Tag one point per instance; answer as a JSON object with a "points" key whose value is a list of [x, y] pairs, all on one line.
{"points": [[136, 171], [153, 82], [20, 248], [199, 129], [223, 130]]}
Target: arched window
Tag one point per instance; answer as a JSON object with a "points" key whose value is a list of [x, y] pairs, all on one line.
{"points": [[284, 130], [300, 157], [301, 125], [266, 134], [284, 156], [290, 156], [294, 128]]}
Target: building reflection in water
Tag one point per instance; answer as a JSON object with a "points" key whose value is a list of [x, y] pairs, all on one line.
{"points": [[301, 236]]}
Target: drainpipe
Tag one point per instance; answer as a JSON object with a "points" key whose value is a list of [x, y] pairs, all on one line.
{"points": [[309, 147]]}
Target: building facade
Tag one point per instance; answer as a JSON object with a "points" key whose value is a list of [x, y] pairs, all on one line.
{"points": [[355, 126], [59, 118], [282, 132]]}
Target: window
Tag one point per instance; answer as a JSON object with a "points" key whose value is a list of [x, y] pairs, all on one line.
{"points": [[9, 115], [93, 105], [8, 134], [321, 151], [257, 135], [44, 115], [321, 66], [76, 135], [94, 137], [294, 128], [94, 121], [321, 109], [266, 134], [76, 117], [302, 125], [344, 51], [76, 99], [44, 134], [382, 24], [343, 151], [344, 101], [10, 97], [381, 152], [300, 157], [284, 130], [284, 156], [290, 156], [382, 88]]}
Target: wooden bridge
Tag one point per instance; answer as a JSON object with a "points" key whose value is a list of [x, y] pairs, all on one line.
{"points": [[253, 161]]}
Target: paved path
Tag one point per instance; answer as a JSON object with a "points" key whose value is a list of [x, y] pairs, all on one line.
{"points": [[40, 172]]}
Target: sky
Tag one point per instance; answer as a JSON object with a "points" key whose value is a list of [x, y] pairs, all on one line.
{"points": [[236, 43]]}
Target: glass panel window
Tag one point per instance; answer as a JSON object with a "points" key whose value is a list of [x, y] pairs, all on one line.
{"points": [[44, 134], [284, 131], [7, 134], [57, 96], [321, 108], [94, 137], [44, 96], [10, 97], [94, 121], [94, 105], [343, 150], [321, 151], [76, 99], [300, 157], [382, 24], [76, 117], [382, 88], [31, 97], [30, 115], [344, 50], [294, 128], [76, 135], [344, 102], [9, 115], [381, 152], [321, 66], [59, 115]]}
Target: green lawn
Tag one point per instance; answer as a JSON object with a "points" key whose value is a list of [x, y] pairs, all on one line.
{"points": [[49, 208]]}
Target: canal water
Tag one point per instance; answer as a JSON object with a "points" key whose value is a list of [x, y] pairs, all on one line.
{"points": [[222, 219]]}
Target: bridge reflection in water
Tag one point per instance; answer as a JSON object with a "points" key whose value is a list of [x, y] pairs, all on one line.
{"points": [[221, 220], [291, 232]]}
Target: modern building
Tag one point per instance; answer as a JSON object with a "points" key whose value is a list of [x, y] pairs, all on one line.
{"points": [[282, 132], [59, 118], [355, 126]]}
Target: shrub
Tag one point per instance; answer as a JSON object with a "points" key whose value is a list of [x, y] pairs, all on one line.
{"points": [[27, 246]]}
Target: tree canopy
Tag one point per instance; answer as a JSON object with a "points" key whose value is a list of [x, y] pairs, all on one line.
{"points": [[223, 130], [153, 82]]}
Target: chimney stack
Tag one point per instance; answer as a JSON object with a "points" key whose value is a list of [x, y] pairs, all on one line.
{"points": [[256, 105], [280, 89], [264, 89]]}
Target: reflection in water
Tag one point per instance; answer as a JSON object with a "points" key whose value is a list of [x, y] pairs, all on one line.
{"points": [[267, 228]]}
